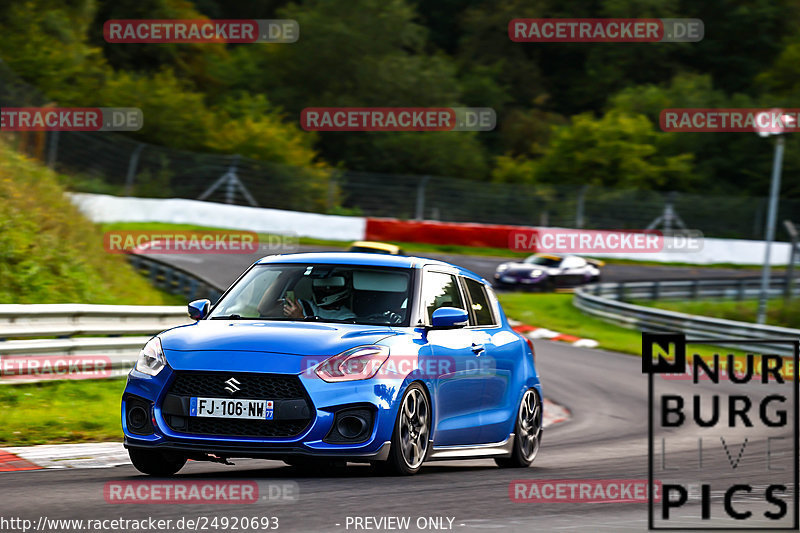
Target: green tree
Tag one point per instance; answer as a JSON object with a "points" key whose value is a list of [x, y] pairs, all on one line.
{"points": [[725, 163], [44, 42], [615, 150]]}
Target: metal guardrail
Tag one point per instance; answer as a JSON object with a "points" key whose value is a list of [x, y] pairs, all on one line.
{"points": [[67, 326], [734, 288], [69, 332], [605, 301], [175, 279]]}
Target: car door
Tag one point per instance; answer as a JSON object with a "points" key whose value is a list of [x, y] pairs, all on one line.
{"points": [[499, 362], [457, 382]]}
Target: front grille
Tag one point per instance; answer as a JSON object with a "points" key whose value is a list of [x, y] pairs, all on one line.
{"points": [[246, 428], [252, 386], [255, 386]]}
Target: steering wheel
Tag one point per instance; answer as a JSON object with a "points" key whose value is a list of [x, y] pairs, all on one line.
{"points": [[307, 310]]}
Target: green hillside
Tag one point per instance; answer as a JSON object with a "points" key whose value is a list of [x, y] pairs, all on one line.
{"points": [[50, 253]]}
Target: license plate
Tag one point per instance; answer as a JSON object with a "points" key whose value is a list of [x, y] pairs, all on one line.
{"points": [[225, 408], [508, 279]]}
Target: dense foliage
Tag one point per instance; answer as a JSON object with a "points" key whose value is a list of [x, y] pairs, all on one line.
{"points": [[567, 113]]}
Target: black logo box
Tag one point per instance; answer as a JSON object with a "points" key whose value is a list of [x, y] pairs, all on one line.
{"points": [[663, 366]]}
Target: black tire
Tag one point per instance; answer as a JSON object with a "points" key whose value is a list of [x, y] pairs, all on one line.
{"points": [[156, 462], [527, 433], [411, 435]]}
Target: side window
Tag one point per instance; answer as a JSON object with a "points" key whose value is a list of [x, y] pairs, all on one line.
{"points": [[440, 290], [481, 308]]}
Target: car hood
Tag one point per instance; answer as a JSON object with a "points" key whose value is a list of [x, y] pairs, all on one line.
{"points": [[254, 345]]}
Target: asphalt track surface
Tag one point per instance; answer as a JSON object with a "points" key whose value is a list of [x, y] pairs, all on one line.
{"points": [[606, 438], [224, 269]]}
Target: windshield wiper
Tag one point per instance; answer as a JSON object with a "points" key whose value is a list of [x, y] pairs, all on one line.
{"points": [[230, 317]]}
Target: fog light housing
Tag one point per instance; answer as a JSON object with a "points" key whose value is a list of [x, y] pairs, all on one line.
{"points": [[137, 415], [351, 425]]}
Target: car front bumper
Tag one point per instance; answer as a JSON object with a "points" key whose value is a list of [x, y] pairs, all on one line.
{"points": [[380, 396]]}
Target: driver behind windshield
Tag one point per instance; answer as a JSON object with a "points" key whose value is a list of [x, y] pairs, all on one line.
{"points": [[329, 301]]}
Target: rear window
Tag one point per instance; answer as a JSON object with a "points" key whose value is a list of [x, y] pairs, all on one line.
{"points": [[481, 309]]}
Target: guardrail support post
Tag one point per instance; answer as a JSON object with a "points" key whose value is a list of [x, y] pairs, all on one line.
{"points": [[656, 290], [420, 214], [154, 274], [580, 208], [793, 257], [133, 163], [772, 213], [52, 149]]}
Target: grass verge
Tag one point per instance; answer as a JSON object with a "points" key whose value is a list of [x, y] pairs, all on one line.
{"points": [[779, 311], [61, 412]]}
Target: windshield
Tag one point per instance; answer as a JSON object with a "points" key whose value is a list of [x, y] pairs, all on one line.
{"points": [[543, 260], [318, 292]]}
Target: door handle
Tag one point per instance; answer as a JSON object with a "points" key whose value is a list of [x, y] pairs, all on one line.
{"points": [[478, 348]]}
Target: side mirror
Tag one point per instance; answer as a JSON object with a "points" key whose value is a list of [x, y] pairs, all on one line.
{"points": [[198, 309], [449, 318]]}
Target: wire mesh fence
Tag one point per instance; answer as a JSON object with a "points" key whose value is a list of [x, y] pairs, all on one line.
{"points": [[118, 164]]}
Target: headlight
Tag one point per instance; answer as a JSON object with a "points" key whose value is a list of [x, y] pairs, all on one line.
{"points": [[536, 273], [151, 358], [361, 362], [501, 268]]}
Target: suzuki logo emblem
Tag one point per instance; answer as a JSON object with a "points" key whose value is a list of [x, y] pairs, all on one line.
{"points": [[232, 386]]}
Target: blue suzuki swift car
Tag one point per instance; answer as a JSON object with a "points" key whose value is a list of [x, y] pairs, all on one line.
{"points": [[335, 357]]}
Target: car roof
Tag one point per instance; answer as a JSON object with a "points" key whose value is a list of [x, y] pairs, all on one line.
{"points": [[365, 259]]}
